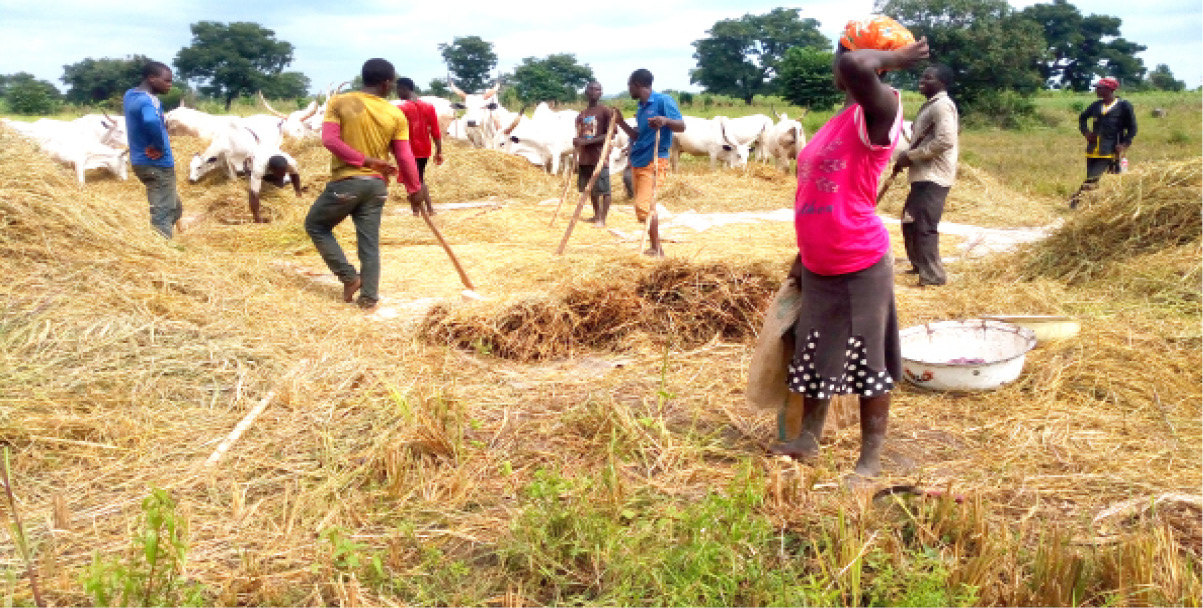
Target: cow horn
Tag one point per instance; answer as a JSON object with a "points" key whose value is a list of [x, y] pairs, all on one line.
{"points": [[106, 115], [263, 100], [517, 119], [312, 110], [455, 89], [722, 129], [489, 93]]}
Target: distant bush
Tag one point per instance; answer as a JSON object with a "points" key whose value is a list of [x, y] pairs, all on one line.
{"points": [[685, 98], [33, 97], [1006, 109]]}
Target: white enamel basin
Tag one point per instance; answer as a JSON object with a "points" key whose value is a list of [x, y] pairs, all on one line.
{"points": [[972, 355]]}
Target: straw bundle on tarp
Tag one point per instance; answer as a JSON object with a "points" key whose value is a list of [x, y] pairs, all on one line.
{"points": [[676, 302]]}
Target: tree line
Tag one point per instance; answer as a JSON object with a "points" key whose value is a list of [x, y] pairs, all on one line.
{"points": [[998, 54]]}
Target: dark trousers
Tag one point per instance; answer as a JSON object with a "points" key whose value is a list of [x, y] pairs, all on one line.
{"points": [[165, 206], [925, 205], [363, 200]]}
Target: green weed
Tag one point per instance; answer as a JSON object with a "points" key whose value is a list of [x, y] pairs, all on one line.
{"points": [[150, 574]]}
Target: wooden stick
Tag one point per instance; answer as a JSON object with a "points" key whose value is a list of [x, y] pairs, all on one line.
{"points": [[567, 182], [651, 216], [605, 155], [18, 534], [889, 181], [249, 419], [463, 276]]}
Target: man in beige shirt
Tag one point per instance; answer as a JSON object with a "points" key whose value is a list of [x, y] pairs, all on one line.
{"points": [[932, 160]]}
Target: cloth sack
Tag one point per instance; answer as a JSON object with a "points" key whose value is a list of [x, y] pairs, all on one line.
{"points": [[767, 387]]}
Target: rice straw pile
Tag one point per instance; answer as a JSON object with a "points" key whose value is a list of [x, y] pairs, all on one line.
{"points": [[1140, 231], [676, 302]]}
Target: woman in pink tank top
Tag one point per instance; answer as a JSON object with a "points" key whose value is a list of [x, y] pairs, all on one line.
{"points": [[846, 337]]}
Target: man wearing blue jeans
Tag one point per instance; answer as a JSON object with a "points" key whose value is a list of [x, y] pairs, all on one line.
{"points": [[149, 147], [360, 129]]}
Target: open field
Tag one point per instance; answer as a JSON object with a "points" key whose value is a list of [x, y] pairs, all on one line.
{"points": [[581, 436]]}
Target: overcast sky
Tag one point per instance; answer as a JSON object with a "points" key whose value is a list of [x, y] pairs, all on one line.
{"points": [[332, 39]]}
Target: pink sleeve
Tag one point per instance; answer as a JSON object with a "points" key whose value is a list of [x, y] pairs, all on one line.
{"points": [[407, 164], [332, 138]]}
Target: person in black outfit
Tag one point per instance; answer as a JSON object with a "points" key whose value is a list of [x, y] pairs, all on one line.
{"points": [[1109, 137]]}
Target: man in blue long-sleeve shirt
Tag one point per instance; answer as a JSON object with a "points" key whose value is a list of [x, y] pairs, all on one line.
{"points": [[149, 148]]}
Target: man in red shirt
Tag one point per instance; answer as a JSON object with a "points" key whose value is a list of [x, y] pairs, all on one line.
{"points": [[423, 127]]}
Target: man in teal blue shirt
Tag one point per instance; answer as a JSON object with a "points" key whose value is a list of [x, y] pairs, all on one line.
{"points": [[657, 112]]}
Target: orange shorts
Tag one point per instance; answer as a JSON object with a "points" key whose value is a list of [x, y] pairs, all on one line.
{"points": [[643, 177]]}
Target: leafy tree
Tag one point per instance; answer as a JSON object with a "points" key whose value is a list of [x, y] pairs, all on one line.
{"points": [[471, 60], [741, 56], [233, 60], [1082, 47], [557, 77], [806, 78], [288, 85], [25, 94], [1162, 78], [438, 88], [93, 80], [989, 47]]}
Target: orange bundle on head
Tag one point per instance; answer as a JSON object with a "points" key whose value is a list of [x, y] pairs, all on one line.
{"points": [[877, 32]]}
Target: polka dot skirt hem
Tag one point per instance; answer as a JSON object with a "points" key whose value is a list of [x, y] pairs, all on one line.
{"points": [[857, 378]]}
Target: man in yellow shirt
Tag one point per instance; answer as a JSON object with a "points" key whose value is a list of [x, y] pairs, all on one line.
{"points": [[360, 129]]}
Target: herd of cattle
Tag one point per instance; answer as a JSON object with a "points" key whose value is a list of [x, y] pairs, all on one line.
{"points": [[97, 141]]}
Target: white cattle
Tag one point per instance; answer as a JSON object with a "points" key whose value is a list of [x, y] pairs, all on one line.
{"points": [[189, 121], [620, 150], [482, 119], [102, 127], [784, 141], [230, 149], [268, 129], [443, 109], [76, 146], [457, 130], [296, 125], [709, 137], [753, 129], [544, 139]]}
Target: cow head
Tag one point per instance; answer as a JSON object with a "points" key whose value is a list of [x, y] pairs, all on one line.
{"points": [[479, 117], [294, 125], [201, 165], [735, 152]]}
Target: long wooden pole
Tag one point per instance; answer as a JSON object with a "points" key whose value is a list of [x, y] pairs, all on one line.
{"points": [[463, 276], [651, 216], [605, 157], [576, 158]]}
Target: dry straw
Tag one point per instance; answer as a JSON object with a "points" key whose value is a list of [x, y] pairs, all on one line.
{"points": [[125, 360]]}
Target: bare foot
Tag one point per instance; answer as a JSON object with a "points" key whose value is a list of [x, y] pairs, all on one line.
{"points": [[349, 290], [431, 211], [803, 448], [368, 306], [590, 220], [416, 209], [654, 253], [868, 466]]}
